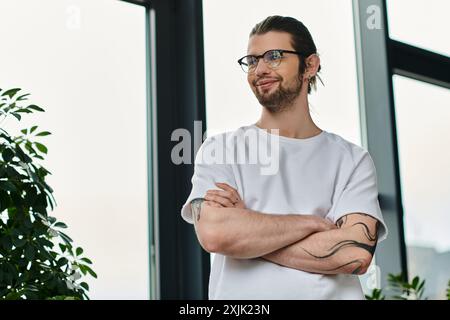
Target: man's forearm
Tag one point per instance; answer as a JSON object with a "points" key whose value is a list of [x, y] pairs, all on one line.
{"points": [[345, 250], [243, 233]]}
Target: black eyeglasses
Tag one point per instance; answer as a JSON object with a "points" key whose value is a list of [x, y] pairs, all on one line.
{"points": [[271, 57]]}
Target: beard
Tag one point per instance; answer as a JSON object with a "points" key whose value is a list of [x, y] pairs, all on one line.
{"points": [[281, 98]]}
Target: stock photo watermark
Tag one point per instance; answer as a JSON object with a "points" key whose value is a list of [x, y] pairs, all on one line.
{"points": [[252, 146], [373, 21]]}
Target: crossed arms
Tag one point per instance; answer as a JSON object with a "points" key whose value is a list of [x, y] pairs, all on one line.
{"points": [[299, 241]]}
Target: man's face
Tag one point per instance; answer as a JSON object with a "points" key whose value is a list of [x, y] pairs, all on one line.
{"points": [[276, 89]]}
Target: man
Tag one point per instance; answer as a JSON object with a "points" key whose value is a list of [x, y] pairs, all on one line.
{"points": [[308, 230]]}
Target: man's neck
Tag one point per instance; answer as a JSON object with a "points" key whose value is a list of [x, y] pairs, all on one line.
{"points": [[293, 122]]}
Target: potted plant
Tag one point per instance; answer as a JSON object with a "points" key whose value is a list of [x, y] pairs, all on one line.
{"points": [[402, 289], [37, 259]]}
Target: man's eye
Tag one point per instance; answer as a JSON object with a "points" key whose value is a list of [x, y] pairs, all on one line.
{"points": [[251, 61], [273, 55]]}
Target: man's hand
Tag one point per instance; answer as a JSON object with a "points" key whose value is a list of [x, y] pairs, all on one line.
{"points": [[229, 197], [229, 228], [345, 248]]}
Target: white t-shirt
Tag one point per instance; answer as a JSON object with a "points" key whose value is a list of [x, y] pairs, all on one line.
{"points": [[324, 175]]}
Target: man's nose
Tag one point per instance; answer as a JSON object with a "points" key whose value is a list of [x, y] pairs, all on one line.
{"points": [[261, 68]]}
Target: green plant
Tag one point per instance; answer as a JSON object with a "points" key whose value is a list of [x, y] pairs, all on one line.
{"points": [[37, 259], [376, 295], [404, 290]]}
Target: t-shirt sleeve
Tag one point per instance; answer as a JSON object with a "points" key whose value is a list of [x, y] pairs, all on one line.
{"points": [[206, 174], [360, 195]]}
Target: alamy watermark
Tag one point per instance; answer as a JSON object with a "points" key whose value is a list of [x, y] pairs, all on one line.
{"points": [[373, 21], [252, 146]]}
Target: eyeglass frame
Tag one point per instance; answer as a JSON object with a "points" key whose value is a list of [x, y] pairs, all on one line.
{"points": [[282, 51]]}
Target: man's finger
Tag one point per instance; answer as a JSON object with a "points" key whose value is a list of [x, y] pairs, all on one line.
{"points": [[223, 201], [213, 204], [226, 194], [228, 188]]}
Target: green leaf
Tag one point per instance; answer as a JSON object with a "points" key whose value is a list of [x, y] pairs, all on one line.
{"points": [[63, 235], [22, 97], [13, 296], [30, 295], [24, 131], [22, 156], [415, 282], [27, 223], [43, 134], [47, 255], [421, 285], [61, 225], [69, 247], [29, 252], [86, 260], [19, 242], [6, 242], [420, 290], [85, 286], [52, 220], [91, 272], [41, 147], [4, 201], [79, 251], [45, 243], [11, 92], [82, 269], [7, 186], [66, 239], [62, 262], [35, 107], [13, 174], [7, 155], [62, 247], [17, 116], [29, 146], [33, 128], [23, 110]]}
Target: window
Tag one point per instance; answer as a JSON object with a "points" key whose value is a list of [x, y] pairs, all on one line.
{"points": [[408, 23], [84, 61], [422, 114], [230, 103]]}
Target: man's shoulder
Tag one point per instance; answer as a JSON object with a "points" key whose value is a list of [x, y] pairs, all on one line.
{"points": [[346, 147]]}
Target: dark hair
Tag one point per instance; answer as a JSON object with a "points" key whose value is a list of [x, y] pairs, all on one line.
{"points": [[301, 39]]}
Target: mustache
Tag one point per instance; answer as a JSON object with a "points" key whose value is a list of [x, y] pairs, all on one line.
{"points": [[259, 80]]}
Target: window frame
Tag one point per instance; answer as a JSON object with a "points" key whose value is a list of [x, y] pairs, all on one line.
{"points": [[176, 98], [378, 58]]}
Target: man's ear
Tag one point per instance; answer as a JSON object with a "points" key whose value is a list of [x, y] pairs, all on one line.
{"points": [[312, 63]]}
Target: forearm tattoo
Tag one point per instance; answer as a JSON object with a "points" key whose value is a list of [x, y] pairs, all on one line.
{"points": [[371, 237], [196, 205]]}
